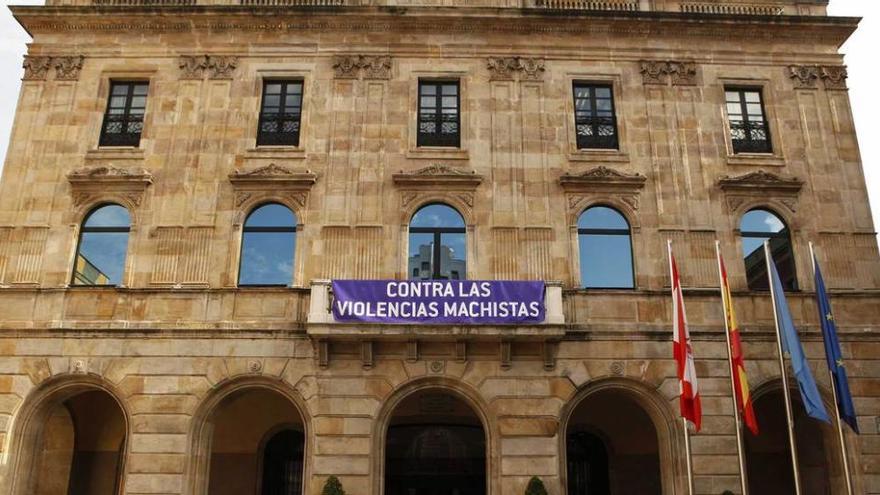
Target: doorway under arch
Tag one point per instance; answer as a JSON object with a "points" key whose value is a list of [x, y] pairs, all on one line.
{"points": [[435, 444]]}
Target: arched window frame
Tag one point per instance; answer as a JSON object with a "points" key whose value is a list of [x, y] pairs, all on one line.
{"points": [[594, 231], [294, 229], [438, 233], [785, 234], [109, 230]]}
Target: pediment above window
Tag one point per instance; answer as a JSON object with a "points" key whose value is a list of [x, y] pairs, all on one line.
{"points": [[108, 182], [274, 176], [600, 178], [439, 175], [761, 182], [271, 183]]}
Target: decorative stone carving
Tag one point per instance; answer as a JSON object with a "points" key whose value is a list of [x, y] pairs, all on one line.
{"points": [[834, 77], [36, 68], [603, 177], [255, 366], [653, 72], [508, 68], [663, 72], [803, 76], [88, 184], [274, 173], [683, 73], [346, 66], [221, 67], [437, 366], [370, 66], [438, 175], [617, 368], [376, 67], [760, 181], [68, 68], [193, 66], [271, 181]]}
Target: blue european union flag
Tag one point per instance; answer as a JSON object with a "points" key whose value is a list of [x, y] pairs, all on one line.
{"points": [[832, 352], [791, 345]]}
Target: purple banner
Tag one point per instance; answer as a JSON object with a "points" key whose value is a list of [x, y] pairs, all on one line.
{"points": [[438, 302]]}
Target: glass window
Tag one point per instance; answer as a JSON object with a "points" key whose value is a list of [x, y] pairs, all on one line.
{"points": [[756, 227], [103, 243], [749, 131], [267, 246], [605, 249], [280, 113], [439, 119], [124, 119], [594, 118], [437, 244]]}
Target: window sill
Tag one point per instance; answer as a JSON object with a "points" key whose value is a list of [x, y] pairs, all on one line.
{"points": [[756, 159], [277, 152], [598, 155], [438, 153], [115, 153]]}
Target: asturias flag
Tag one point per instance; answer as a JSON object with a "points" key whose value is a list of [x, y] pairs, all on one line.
{"points": [[791, 345], [740, 381], [832, 352], [684, 355]]}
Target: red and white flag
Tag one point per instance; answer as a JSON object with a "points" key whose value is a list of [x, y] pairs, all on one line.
{"points": [[682, 351]]}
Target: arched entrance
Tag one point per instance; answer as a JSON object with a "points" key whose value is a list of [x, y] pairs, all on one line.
{"points": [[435, 444], [257, 445], [73, 442], [612, 446], [769, 462]]}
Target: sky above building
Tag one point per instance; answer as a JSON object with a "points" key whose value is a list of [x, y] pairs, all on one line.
{"points": [[860, 53]]}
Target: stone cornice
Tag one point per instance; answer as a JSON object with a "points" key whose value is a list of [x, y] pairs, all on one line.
{"points": [[274, 176], [602, 177], [439, 175], [53, 19], [760, 182]]}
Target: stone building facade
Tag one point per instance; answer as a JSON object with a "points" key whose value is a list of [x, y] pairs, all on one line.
{"points": [[177, 379]]}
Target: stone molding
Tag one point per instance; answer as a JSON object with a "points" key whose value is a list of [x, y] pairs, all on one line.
{"points": [[602, 177], [94, 183], [513, 68], [833, 77], [272, 182], [761, 187], [362, 66], [665, 72], [438, 175], [67, 68], [603, 185], [216, 66]]}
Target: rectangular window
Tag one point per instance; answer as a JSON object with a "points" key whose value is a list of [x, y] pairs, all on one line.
{"points": [[439, 114], [124, 120], [594, 118], [749, 131], [280, 113]]}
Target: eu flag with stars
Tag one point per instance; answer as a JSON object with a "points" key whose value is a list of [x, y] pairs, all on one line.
{"points": [[791, 345], [832, 352]]}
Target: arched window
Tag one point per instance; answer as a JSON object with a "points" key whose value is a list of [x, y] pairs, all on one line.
{"points": [[437, 247], [103, 243], [756, 227], [267, 246], [605, 249]]}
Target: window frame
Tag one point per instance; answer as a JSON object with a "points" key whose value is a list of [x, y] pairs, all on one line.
{"points": [[437, 238], [106, 140], [628, 232], [785, 234], [748, 125], [614, 144], [100, 230], [434, 140], [270, 230], [278, 117]]}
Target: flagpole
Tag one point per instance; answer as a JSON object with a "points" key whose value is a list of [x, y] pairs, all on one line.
{"points": [[843, 449], [785, 392], [736, 417], [684, 422]]}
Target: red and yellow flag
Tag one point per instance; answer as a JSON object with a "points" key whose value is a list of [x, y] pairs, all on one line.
{"points": [[740, 381]]}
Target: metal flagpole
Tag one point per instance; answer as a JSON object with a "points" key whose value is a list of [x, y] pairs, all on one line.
{"points": [[785, 392], [684, 422], [843, 450], [739, 439]]}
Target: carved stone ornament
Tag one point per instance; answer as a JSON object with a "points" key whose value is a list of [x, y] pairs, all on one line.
{"points": [[803, 76], [36, 68], [275, 174], [834, 77], [679, 73], [761, 182], [683, 73], [222, 67], [439, 175], [193, 66], [508, 68], [376, 67], [653, 72], [370, 66], [68, 68], [602, 177], [89, 183], [346, 66]]}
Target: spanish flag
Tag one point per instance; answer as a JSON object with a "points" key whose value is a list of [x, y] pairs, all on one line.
{"points": [[740, 381]]}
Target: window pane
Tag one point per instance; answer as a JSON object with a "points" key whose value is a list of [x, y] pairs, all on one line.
{"points": [[421, 256], [450, 89], [271, 100], [606, 261], [437, 216], [452, 257], [108, 216], [273, 89], [428, 101], [100, 259], [761, 221], [267, 258], [429, 89], [271, 215], [752, 96], [602, 217]]}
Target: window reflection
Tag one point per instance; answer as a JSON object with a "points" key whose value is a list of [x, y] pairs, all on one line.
{"points": [[267, 247], [103, 243], [756, 227], [605, 249], [437, 244]]}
